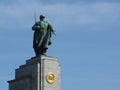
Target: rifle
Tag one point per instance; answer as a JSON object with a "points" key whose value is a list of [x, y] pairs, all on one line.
{"points": [[35, 16]]}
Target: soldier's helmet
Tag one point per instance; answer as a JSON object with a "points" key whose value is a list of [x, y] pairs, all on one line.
{"points": [[42, 17]]}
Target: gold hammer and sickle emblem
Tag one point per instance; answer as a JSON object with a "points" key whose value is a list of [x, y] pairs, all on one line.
{"points": [[50, 78]]}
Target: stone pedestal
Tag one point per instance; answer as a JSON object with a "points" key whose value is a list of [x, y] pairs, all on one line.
{"points": [[39, 73]]}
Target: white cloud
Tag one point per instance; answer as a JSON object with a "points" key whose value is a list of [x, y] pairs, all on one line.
{"points": [[21, 14]]}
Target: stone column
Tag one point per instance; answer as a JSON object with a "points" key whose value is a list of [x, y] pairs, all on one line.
{"points": [[39, 73]]}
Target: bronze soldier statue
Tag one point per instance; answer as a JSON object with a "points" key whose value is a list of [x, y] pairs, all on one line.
{"points": [[42, 34]]}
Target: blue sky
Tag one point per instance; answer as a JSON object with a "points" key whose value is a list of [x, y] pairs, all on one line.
{"points": [[87, 42]]}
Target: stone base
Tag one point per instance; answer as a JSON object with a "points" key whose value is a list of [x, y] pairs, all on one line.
{"points": [[39, 73]]}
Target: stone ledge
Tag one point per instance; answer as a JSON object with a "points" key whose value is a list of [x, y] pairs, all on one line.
{"points": [[35, 60], [25, 77]]}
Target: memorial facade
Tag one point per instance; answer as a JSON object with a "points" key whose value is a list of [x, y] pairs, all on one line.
{"points": [[39, 73]]}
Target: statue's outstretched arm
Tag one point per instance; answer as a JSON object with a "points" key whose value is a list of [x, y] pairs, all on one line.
{"points": [[51, 29]]}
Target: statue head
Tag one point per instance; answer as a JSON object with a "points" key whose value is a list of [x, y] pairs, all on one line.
{"points": [[42, 17]]}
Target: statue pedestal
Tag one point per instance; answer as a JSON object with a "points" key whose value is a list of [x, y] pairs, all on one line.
{"points": [[39, 73]]}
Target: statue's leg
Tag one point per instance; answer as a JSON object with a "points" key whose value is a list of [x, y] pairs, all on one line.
{"points": [[39, 44], [44, 50], [38, 51]]}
